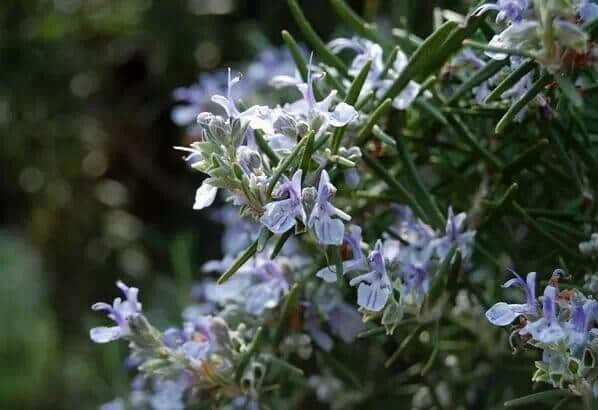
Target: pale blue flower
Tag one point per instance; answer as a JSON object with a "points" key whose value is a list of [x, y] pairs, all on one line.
{"points": [[455, 235], [280, 216], [411, 90], [196, 98], [547, 329], [417, 234], [416, 282], [120, 312], [260, 284], [588, 10], [325, 219], [374, 287], [199, 338], [367, 50], [269, 287], [514, 36], [168, 395], [227, 102], [343, 319], [502, 314], [512, 10], [358, 261], [578, 327], [317, 113]]}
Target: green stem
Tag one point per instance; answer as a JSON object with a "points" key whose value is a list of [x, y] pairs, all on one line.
{"points": [[282, 167], [316, 42], [365, 133]]}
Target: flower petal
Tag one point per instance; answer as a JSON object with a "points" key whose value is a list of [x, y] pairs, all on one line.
{"points": [[329, 231], [279, 216], [407, 96], [372, 297], [502, 314], [104, 334], [205, 196], [342, 115], [327, 275]]}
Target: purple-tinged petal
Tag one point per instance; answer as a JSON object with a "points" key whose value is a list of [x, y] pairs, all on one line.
{"points": [[503, 314], [373, 297], [329, 231], [104, 334], [342, 115], [279, 216]]}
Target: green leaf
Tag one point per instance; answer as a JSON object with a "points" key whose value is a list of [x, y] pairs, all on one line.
{"points": [[351, 99], [478, 77], [316, 42], [365, 133], [440, 280], [404, 343], [265, 147], [399, 190], [280, 243], [307, 153], [286, 163], [512, 79], [532, 223], [454, 40], [353, 19], [254, 347], [409, 42], [296, 54], [421, 191], [372, 332], [357, 84], [509, 116], [549, 395], [420, 60], [431, 109], [390, 60], [524, 158], [508, 51], [287, 310], [465, 133], [240, 261]]}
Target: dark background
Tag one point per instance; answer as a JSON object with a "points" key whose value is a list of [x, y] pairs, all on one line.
{"points": [[91, 190]]}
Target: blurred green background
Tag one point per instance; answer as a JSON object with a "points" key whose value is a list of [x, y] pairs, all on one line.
{"points": [[91, 190]]}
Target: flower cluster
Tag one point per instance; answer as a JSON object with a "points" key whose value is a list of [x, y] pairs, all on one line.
{"points": [[230, 155], [200, 355], [562, 323], [546, 29], [381, 75], [335, 228], [406, 262]]}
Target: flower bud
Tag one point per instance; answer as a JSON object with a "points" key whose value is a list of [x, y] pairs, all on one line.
{"points": [[286, 125]]}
